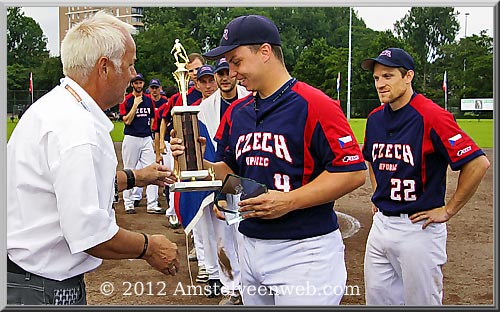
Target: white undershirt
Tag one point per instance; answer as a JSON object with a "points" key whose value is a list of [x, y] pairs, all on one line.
{"points": [[61, 166]]}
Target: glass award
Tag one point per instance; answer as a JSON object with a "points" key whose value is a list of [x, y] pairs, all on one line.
{"points": [[233, 190]]}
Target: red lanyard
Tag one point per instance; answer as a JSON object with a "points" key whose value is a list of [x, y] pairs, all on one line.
{"points": [[76, 96]]}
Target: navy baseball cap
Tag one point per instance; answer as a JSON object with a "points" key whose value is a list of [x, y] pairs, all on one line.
{"points": [[392, 57], [221, 64], [246, 30], [205, 70], [154, 82], [137, 77]]}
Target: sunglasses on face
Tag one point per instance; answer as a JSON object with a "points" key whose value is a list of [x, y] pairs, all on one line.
{"points": [[154, 87], [194, 69]]}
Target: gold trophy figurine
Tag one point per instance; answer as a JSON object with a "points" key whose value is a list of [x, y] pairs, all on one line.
{"points": [[189, 166]]}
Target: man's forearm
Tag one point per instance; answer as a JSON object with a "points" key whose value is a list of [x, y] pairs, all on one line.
{"points": [[469, 179], [124, 245]]}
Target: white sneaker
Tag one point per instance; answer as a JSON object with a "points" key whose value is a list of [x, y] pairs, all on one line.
{"points": [[202, 275], [173, 221], [156, 210]]}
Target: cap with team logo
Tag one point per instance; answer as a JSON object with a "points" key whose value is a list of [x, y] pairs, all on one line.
{"points": [[221, 64], [137, 77], [246, 30], [205, 70], [392, 57], [154, 82]]}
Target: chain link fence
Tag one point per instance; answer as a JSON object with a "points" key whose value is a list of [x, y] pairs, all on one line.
{"points": [[18, 100]]}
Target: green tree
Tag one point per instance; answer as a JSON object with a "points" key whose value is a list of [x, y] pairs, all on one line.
{"points": [[154, 44], [48, 74], [26, 43], [426, 29], [475, 80]]}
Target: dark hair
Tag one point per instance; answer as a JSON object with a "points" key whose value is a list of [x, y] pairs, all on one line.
{"points": [[170, 91], [277, 51], [194, 56], [403, 71]]}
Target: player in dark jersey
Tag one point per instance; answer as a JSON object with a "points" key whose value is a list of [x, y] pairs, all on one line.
{"points": [[409, 143], [137, 111], [296, 140]]}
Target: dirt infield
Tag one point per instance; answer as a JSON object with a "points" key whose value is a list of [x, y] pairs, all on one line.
{"points": [[468, 275]]}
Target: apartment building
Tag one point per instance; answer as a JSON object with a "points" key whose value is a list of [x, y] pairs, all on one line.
{"points": [[69, 16]]}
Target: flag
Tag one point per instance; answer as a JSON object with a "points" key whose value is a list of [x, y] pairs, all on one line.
{"points": [[31, 83], [445, 87], [338, 83]]}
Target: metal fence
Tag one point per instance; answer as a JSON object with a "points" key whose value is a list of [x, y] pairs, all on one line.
{"points": [[19, 100]]}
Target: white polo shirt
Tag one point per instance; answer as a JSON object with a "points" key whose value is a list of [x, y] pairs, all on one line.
{"points": [[61, 166]]}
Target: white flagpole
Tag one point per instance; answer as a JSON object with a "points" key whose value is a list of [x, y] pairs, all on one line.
{"points": [[349, 70], [31, 86], [338, 86], [445, 87]]}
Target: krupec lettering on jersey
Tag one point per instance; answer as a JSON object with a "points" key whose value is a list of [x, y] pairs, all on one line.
{"points": [[142, 111], [392, 151], [262, 141]]}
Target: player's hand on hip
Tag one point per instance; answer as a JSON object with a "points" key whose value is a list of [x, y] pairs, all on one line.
{"points": [[270, 205], [163, 255], [374, 209], [154, 174], [436, 215]]}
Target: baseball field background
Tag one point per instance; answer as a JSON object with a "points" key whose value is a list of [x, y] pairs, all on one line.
{"points": [[481, 131]]}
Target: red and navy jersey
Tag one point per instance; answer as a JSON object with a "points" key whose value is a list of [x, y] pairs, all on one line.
{"points": [[410, 150], [284, 142], [141, 124], [160, 104]]}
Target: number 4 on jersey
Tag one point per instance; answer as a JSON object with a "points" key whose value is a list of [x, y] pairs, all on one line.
{"points": [[282, 182]]}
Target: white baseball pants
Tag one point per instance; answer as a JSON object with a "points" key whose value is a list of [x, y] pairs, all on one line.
{"points": [[138, 153], [403, 262], [308, 271]]}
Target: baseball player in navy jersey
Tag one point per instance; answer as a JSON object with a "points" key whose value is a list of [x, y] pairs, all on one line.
{"points": [[159, 101], [409, 143], [296, 140], [137, 111]]}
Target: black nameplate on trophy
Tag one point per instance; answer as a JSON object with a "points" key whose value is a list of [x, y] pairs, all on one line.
{"points": [[189, 141]]}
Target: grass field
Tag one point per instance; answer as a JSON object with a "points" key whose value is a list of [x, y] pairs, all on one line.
{"points": [[481, 131]]}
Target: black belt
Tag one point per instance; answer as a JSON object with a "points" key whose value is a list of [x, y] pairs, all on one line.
{"points": [[392, 213], [14, 268]]}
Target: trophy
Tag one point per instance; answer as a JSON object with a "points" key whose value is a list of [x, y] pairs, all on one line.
{"points": [[188, 166]]}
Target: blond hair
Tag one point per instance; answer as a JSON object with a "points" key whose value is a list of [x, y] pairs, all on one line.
{"points": [[92, 38]]}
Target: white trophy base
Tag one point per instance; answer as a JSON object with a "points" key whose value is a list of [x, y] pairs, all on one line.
{"points": [[194, 174], [185, 109], [191, 186]]}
